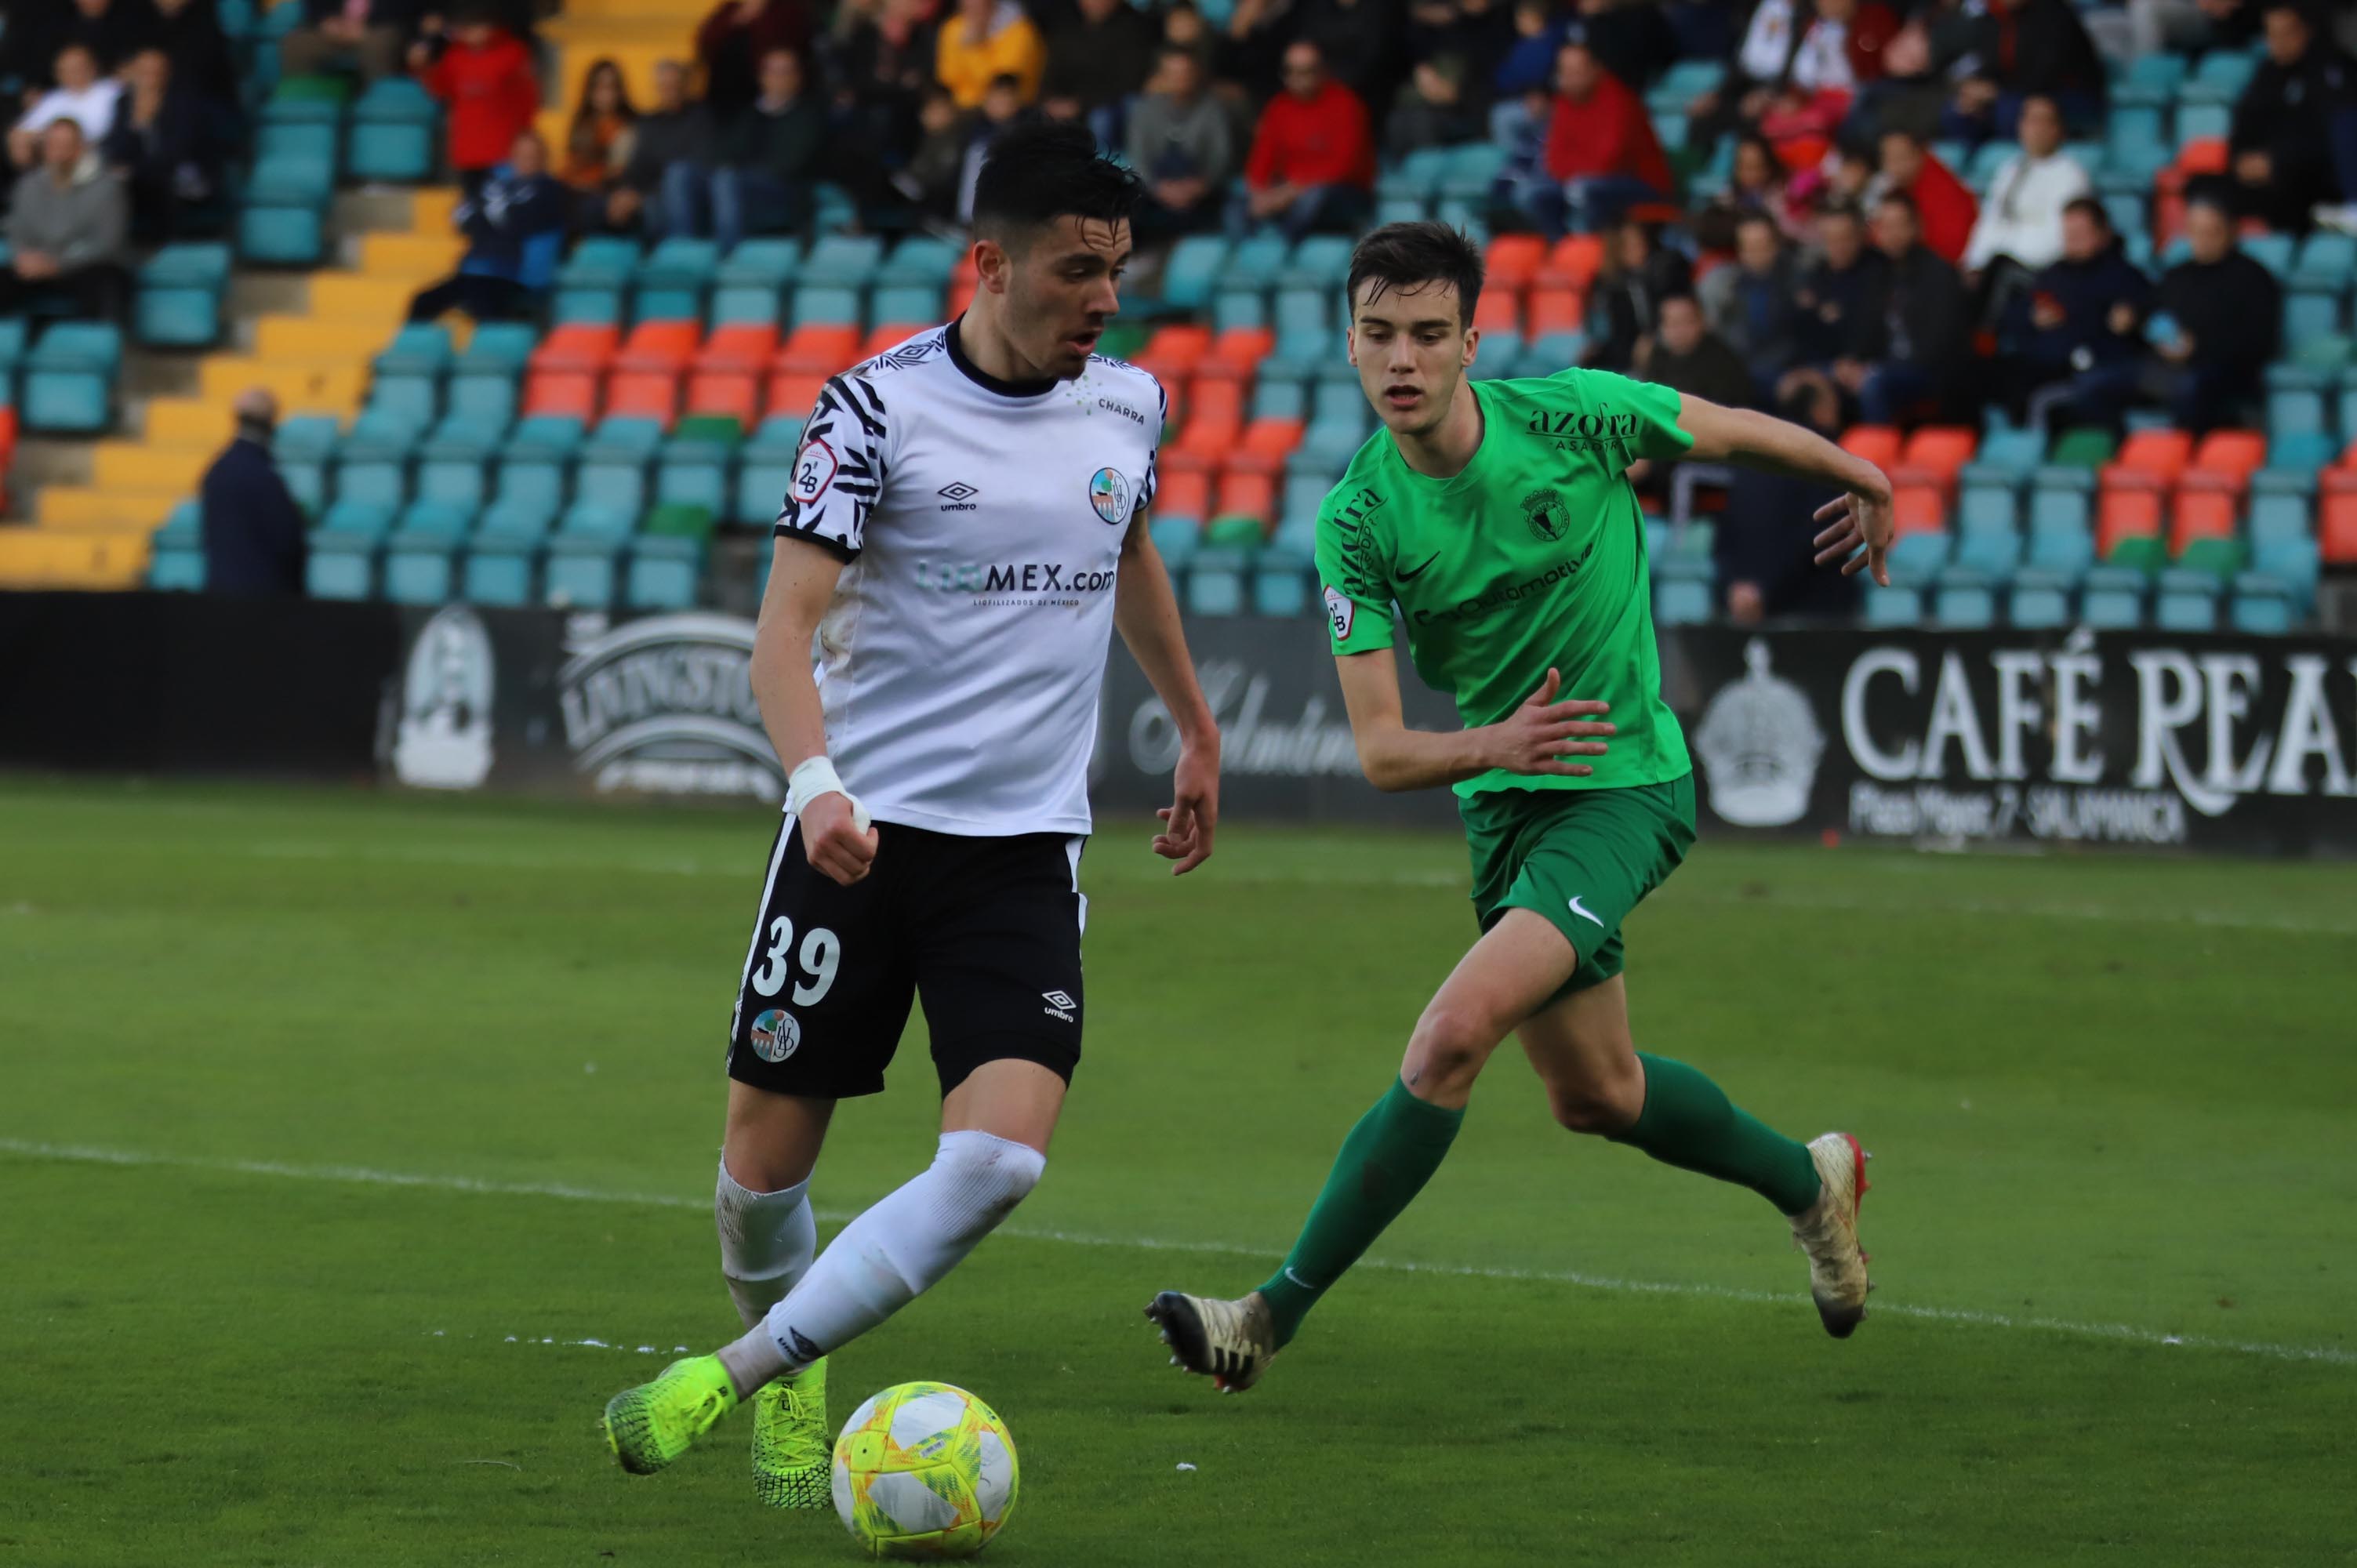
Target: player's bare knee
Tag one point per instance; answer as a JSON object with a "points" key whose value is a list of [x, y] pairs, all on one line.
{"points": [[1602, 1102], [1448, 1048]]}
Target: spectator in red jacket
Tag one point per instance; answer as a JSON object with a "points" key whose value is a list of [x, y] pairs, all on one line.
{"points": [[1601, 153], [1946, 207], [1313, 159], [488, 81]]}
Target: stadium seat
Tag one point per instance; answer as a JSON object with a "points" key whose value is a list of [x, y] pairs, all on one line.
{"points": [[420, 555], [1919, 556], [2262, 605], [2310, 312], [393, 132], [2082, 448], [1247, 494], [2112, 598], [1217, 579], [2040, 599], [2201, 514], [1943, 449], [180, 299], [1254, 263], [1982, 505], [820, 349], [590, 283], [2162, 454], [1176, 539], [454, 462], [694, 469], [372, 461], [1237, 353], [1964, 599], [2187, 601], [2123, 515], [846, 262], [1877, 444], [1195, 265], [671, 284], [2336, 529], [616, 460], [1900, 605], [583, 563], [1512, 262], [1918, 508], [1993, 551], [1183, 493]]}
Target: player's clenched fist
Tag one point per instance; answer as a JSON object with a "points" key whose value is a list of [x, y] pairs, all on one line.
{"points": [[1538, 735], [834, 843]]}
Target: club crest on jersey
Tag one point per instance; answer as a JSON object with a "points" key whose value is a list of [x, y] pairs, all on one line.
{"points": [[1342, 611], [1109, 493], [1545, 515], [814, 467], [776, 1035]]}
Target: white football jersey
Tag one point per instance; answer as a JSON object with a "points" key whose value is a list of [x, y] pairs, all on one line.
{"points": [[982, 522]]}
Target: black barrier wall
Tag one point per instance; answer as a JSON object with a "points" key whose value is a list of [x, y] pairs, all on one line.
{"points": [[180, 684], [2136, 740]]}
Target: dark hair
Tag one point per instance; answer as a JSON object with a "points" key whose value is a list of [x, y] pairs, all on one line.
{"points": [[1900, 199], [1842, 210], [2092, 208], [1408, 256], [1674, 296], [1038, 171], [624, 108]]}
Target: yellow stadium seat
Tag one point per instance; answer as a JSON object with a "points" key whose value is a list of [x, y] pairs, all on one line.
{"points": [[354, 297], [78, 509], [191, 422], [148, 465], [411, 256], [309, 340], [52, 558], [321, 388]]}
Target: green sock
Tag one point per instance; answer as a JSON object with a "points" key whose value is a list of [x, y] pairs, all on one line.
{"points": [[1688, 1122], [1384, 1163]]}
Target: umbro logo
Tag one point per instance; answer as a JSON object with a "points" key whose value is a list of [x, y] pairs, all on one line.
{"points": [[958, 496], [803, 1346], [1060, 1005]]}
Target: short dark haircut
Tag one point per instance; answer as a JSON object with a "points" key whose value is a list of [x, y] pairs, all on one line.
{"points": [[1038, 171], [1900, 199], [1677, 296], [1845, 210], [1409, 256], [2090, 209]]}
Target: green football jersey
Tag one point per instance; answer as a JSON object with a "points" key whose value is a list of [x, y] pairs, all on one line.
{"points": [[1532, 557]]}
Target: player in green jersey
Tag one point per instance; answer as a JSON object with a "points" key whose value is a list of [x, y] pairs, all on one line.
{"points": [[1497, 516]]}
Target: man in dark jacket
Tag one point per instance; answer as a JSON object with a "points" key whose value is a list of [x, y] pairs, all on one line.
{"points": [[1837, 290], [2280, 152], [254, 542], [169, 144], [675, 131], [765, 162], [1913, 340], [1749, 303], [2019, 49], [2077, 332], [515, 231], [2219, 316], [1098, 55], [1686, 354]]}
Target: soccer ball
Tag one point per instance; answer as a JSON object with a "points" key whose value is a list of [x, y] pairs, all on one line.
{"points": [[924, 1470]]}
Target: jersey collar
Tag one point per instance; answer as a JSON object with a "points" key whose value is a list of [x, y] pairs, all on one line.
{"points": [[983, 378]]}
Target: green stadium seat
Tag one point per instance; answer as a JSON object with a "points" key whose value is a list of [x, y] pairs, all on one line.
{"points": [[2082, 448]]}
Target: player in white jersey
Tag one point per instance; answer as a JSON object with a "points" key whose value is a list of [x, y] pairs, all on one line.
{"points": [[965, 530]]}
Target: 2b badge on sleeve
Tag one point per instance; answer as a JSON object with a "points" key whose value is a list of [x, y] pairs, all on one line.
{"points": [[813, 471]]}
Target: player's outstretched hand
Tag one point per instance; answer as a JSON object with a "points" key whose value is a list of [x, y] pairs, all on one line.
{"points": [[839, 847], [1854, 520], [1538, 735], [1188, 820]]}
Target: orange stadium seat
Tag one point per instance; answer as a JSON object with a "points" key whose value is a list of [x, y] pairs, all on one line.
{"points": [[1246, 495], [1175, 350], [2122, 514], [1215, 417], [644, 395], [818, 349], [1943, 449], [1237, 353], [2164, 453], [1877, 444], [2201, 514], [573, 392], [2236, 453], [577, 345], [1513, 261], [795, 392], [1555, 308], [658, 346], [1574, 262], [886, 336], [1499, 310], [1919, 509], [734, 393], [2337, 529], [1266, 446], [738, 346], [1183, 492]]}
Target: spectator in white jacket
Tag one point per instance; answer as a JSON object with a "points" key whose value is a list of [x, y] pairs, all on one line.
{"points": [[2020, 229]]}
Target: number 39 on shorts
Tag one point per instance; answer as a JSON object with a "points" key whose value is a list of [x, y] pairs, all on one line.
{"points": [[820, 956]]}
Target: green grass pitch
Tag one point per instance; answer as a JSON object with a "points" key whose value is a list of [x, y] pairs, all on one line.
{"points": [[334, 1128]]}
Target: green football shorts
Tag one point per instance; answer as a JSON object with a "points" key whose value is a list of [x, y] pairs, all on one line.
{"points": [[1582, 858]]}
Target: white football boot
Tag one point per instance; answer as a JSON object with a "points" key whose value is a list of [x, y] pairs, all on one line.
{"points": [[1230, 1342], [1827, 1231]]}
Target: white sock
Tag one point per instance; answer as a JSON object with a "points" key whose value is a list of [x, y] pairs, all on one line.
{"points": [[889, 1255], [766, 1239]]}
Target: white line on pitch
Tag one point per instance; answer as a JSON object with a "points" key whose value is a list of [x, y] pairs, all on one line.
{"points": [[364, 1175]]}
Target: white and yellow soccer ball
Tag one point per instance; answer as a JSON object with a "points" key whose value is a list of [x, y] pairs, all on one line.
{"points": [[924, 1470]]}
